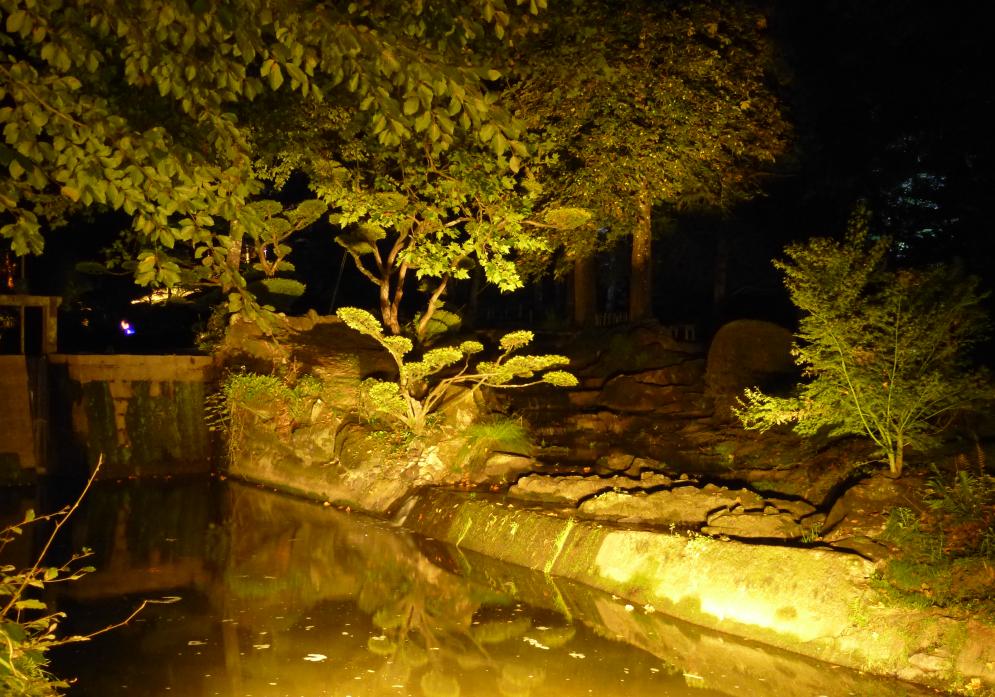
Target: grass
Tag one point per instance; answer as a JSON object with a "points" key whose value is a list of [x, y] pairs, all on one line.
{"points": [[938, 564], [493, 435]]}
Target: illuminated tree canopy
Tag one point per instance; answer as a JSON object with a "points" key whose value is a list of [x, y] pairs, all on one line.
{"points": [[636, 106], [149, 106]]}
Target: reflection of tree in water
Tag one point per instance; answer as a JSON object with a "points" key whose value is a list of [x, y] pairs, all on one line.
{"points": [[435, 626], [435, 629]]}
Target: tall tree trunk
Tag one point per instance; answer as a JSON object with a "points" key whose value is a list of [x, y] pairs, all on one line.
{"points": [[585, 291], [641, 269]]}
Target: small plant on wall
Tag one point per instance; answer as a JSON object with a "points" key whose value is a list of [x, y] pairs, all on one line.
{"points": [[422, 385]]}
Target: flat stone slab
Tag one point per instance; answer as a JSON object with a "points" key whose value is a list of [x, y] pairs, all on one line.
{"points": [[574, 488]]}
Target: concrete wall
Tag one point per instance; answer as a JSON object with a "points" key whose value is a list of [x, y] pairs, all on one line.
{"points": [[145, 414]]}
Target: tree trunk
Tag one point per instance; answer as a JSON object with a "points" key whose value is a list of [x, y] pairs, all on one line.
{"points": [[234, 257], [641, 268], [585, 291], [433, 303], [899, 460], [388, 309]]}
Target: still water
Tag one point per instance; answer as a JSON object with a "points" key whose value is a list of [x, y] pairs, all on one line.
{"points": [[278, 597]]}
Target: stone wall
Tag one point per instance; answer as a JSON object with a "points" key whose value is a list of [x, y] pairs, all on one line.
{"points": [[815, 602], [144, 414]]}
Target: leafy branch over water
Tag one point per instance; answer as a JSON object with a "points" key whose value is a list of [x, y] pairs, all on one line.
{"points": [[28, 627]]}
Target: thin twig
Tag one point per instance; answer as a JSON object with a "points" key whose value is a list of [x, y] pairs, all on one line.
{"points": [[65, 515]]}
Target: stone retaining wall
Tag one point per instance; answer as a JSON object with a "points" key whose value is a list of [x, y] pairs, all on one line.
{"points": [[816, 603], [145, 414]]}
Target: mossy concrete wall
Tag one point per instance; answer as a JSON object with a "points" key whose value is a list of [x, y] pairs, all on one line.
{"points": [[144, 414], [814, 602]]}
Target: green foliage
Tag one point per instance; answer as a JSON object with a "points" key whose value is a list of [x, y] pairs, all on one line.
{"points": [[885, 352], [165, 109], [962, 495], [405, 213], [440, 323], [651, 104], [286, 401], [493, 435], [936, 563], [419, 389]]}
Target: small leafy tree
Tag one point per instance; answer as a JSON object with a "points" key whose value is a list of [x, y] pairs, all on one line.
{"points": [[885, 352], [410, 400]]}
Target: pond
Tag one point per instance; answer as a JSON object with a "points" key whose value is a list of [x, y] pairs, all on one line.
{"points": [[274, 596]]}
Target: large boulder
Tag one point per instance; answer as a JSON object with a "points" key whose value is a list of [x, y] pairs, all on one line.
{"points": [[747, 353]]}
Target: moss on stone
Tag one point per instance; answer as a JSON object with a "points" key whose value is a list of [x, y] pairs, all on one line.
{"points": [[102, 433]]}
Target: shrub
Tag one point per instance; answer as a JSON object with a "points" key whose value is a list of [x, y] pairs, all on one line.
{"points": [[422, 385]]}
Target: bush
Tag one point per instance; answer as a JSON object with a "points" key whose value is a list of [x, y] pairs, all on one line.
{"points": [[28, 628]]}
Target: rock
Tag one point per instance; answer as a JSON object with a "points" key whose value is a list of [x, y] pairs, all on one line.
{"points": [[430, 466], [797, 509], [575, 488], [627, 394], [460, 407], [865, 547], [930, 663], [687, 373], [747, 353], [652, 480], [645, 467], [583, 399], [616, 461], [685, 506], [505, 466], [779, 526]]}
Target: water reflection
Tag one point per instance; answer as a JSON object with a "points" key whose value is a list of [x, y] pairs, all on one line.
{"points": [[281, 597]]}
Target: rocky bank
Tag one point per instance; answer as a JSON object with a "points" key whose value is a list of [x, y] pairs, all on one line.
{"points": [[640, 483]]}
